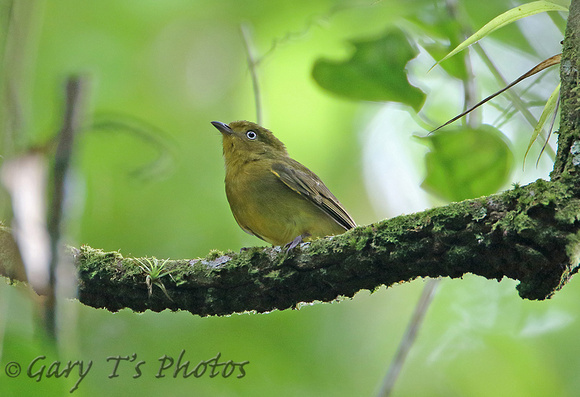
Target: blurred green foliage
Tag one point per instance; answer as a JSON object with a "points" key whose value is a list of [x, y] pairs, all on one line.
{"points": [[467, 162], [375, 72], [147, 179]]}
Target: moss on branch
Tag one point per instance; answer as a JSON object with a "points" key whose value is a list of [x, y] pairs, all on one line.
{"points": [[528, 234]]}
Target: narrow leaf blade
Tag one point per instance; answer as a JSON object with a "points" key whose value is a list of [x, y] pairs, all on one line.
{"points": [[548, 109], [510, 16]]}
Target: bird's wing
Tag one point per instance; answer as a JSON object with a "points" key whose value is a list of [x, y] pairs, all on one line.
{"points": [[307, 184]]}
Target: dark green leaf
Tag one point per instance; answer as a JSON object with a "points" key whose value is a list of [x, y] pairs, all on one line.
{"points": [[466, 163], [375, 72]]}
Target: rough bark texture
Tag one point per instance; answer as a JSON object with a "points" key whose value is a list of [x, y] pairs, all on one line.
{"points": [[530, 234]]}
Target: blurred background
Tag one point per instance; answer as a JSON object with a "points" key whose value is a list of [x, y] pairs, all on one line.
{"points": [[347, 86]]}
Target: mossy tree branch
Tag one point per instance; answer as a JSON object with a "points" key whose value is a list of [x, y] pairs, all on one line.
{"points": [[528, 234]]}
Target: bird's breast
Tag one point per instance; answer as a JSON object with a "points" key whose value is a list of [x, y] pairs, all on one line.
{"points": [[264, 206]]}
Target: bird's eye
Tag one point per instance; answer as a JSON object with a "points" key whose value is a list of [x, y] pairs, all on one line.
{"points": [[251, 135]]}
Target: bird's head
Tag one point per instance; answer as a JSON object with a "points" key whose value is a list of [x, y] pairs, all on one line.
{"points": [[244, 139]]}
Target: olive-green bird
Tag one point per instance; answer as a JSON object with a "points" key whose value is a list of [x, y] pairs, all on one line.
{"points": [[272, 196]]}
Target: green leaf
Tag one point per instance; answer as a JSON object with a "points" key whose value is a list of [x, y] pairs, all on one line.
{"points": [[466, 163], [548, 109], [374, 72], [525, 10]]}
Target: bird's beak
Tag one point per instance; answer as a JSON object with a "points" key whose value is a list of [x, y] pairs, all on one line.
{"points": [[222, 127]]}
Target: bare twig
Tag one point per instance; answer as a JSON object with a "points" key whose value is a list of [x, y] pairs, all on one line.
{"points": [[469, 84], [75, 98], [408, 338], [252, 64]]}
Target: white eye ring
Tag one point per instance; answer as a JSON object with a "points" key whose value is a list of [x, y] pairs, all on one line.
{"points": [[251, 134]]}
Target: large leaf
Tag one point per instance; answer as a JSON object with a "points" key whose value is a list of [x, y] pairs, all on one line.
{"points": [[466, 163], [374, 72]]}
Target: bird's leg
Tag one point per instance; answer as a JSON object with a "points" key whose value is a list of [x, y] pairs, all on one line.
{"points": [[296, 241]]}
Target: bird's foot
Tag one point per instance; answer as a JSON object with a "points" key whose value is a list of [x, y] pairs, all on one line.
{"points": [[294, 243]]}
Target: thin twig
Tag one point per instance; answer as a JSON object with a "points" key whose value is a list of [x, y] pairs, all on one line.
{"points": [[75, 95], [408, 338], [314, 21], [252, 67], [469, 84]]}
